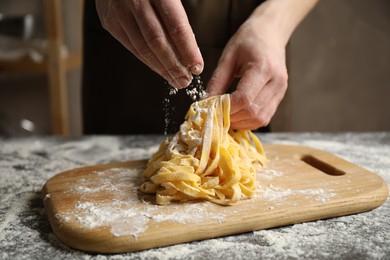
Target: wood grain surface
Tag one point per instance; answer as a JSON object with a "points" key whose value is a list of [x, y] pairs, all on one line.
{"points": [[100, 208]]}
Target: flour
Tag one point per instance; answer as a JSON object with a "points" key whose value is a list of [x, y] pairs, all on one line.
{"points": [[277, 194], [195, 91], [172, 90], [25, 233], [123, 213], [269, 174], [128, 219], [133, 226], [271, 192], [126, 215], [200, 210]]}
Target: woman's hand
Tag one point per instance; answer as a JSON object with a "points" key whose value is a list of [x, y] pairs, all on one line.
{"points": [[258, 60], [256, 55], [158, 33]]}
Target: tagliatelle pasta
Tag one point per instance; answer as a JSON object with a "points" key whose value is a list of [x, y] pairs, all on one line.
{"points": [[205, 159]]}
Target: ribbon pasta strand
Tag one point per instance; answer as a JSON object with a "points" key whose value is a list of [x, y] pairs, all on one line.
{"points": [[205, 159]]}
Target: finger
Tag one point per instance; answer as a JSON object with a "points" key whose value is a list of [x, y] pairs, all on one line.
{"points": [[121, 36], [115, 29], [134, 41], [156, 39], [222, 76], [111, 24], [252, 82], [262, 98], [263, 118], [129, 35], [261, 111], [137, 45], [180, 32]]}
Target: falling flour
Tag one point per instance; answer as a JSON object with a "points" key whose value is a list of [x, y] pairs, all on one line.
{"points": [[195, 91]]}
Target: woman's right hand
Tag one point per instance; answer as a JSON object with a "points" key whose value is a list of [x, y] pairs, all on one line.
{"points": [[158, 33]]}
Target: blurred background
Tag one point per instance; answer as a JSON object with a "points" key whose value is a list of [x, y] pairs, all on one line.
{"points": [[338, 61]]}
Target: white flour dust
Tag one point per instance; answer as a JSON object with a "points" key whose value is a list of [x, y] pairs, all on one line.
{"points": [[269, 174], [276, 193], [195, 91], [125, 213], [129, 219], [25, 165]]}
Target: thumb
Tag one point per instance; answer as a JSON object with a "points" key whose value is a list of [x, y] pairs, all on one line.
{"points": [[222, 77]]}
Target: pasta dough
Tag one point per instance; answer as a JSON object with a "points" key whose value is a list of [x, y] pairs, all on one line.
{"points": [[205, 159]]}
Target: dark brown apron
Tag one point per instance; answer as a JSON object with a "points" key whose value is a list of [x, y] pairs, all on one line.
{"points": [[121, 95]]}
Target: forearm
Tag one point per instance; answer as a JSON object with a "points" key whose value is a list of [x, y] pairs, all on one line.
{"points": [[281, 17]]}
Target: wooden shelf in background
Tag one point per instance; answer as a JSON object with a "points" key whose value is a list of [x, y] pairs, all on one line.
{"points": [[27, 66], [54, 65]]}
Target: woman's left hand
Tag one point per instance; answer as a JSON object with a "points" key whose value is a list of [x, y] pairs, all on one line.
{"points": [[256, 57]]}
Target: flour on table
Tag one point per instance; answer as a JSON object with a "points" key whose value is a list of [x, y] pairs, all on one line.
{"points": [[276, 193], [25, 231], [127, 214], [124, 213], [269, 174]]}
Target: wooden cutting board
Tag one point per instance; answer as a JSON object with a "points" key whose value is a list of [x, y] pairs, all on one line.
{"points": [[100, 208]]}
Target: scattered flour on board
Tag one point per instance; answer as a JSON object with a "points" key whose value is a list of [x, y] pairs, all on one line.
{"points": [[276, 193], [269, 174], [128, 215], [124, 212], [273, 193], [25, 230]]}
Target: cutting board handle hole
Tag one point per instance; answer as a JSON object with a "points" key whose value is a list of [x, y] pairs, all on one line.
{"points": [[321, 165]]}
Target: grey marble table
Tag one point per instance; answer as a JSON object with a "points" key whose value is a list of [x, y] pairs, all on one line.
{"points": [[25, 233]]}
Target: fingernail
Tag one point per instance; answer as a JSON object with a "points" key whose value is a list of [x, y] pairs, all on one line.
{"points": [[196, 69]]}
